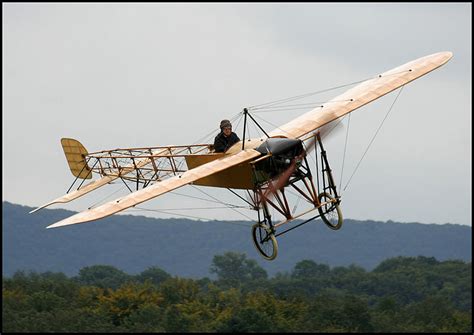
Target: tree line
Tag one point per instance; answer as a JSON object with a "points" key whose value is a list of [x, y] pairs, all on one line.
{"points": [[403, 294]]}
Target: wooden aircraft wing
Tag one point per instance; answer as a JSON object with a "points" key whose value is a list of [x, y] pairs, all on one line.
{"points": [[361, 95], [159, 188], [93, 185], [80, 192]]}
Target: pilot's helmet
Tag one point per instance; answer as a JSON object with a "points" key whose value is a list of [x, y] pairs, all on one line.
{"points": [[225, 124]]}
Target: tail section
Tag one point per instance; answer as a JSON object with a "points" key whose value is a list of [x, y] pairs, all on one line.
{"points": [[76, 158]]}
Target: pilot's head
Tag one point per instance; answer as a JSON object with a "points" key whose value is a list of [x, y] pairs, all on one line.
{"points": [[226, 127]]}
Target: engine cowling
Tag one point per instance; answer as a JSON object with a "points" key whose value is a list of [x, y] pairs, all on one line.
{"points": [[283, 151]]}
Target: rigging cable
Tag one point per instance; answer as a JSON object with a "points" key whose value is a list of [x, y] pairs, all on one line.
{"points": [[373, 138], [107, 196], [271, 103], [344, 155], [193, 197], [210, 196], [280, 108], [273, 125], [191, 216]]}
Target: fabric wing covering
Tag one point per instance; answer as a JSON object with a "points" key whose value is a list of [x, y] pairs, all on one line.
{"points": [[361, 95], [94, 185], [159, 188]]}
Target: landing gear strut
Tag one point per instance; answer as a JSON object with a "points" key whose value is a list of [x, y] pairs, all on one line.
{"points": [[265, 194]]}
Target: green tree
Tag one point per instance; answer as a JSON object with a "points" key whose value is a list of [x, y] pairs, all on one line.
{"points": [[356, 315], [433, 314], [233, 269], [404, 294], [386, 316], [402, 262], [104, 276], [178, 290], [43, 301], [309, 268], [57, 283], [248, 320], [324, 313], [15, 304], [125, 301], [197, 315], [146, 318], [154, 274]]}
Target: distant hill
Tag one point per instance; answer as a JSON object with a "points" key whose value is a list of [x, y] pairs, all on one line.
{"points": [[186, 247]]}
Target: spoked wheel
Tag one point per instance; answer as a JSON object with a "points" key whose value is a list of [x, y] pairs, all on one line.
{"points": [[265, 241], [331, 213]]}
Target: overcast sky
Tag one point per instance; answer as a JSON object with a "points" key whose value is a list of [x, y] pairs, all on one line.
{"points": [[128, 75]]}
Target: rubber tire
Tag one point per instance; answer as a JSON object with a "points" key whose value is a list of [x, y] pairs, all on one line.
{"points": [[337, 209], [272, 239]]}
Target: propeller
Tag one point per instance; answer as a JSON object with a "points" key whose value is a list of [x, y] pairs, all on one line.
{"points": [[282, 180], [328, 130]]}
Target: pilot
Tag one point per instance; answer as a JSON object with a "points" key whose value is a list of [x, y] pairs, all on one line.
{"points": [[226, 137]]}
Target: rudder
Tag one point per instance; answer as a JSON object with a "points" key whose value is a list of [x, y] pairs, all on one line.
{"points": [[76, 158]]}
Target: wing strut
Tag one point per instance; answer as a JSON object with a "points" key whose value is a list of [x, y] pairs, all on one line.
{"points": [[246, 112]]}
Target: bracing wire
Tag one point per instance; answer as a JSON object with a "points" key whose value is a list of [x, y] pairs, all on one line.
{"points": [[166, 212], [271, 124], [256, 109], [190, 216], [276, 106], [210, 196], [373, 138], [193, 197], [257, 131], [282, 109], [197, 208], [344, 155], [106, 197], [271, 103], [226, 206], [238, 122]]}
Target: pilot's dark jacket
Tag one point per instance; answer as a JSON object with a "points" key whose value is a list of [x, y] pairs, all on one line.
{"points": [[222, 143]]}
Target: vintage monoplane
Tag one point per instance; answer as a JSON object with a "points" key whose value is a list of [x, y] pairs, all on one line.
{"points": [[263, 167]]}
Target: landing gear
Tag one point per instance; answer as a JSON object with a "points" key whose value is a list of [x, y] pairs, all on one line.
{"points": [[265, 241], [263, 232], [283, 166], [329, 200], [330, 211]]}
